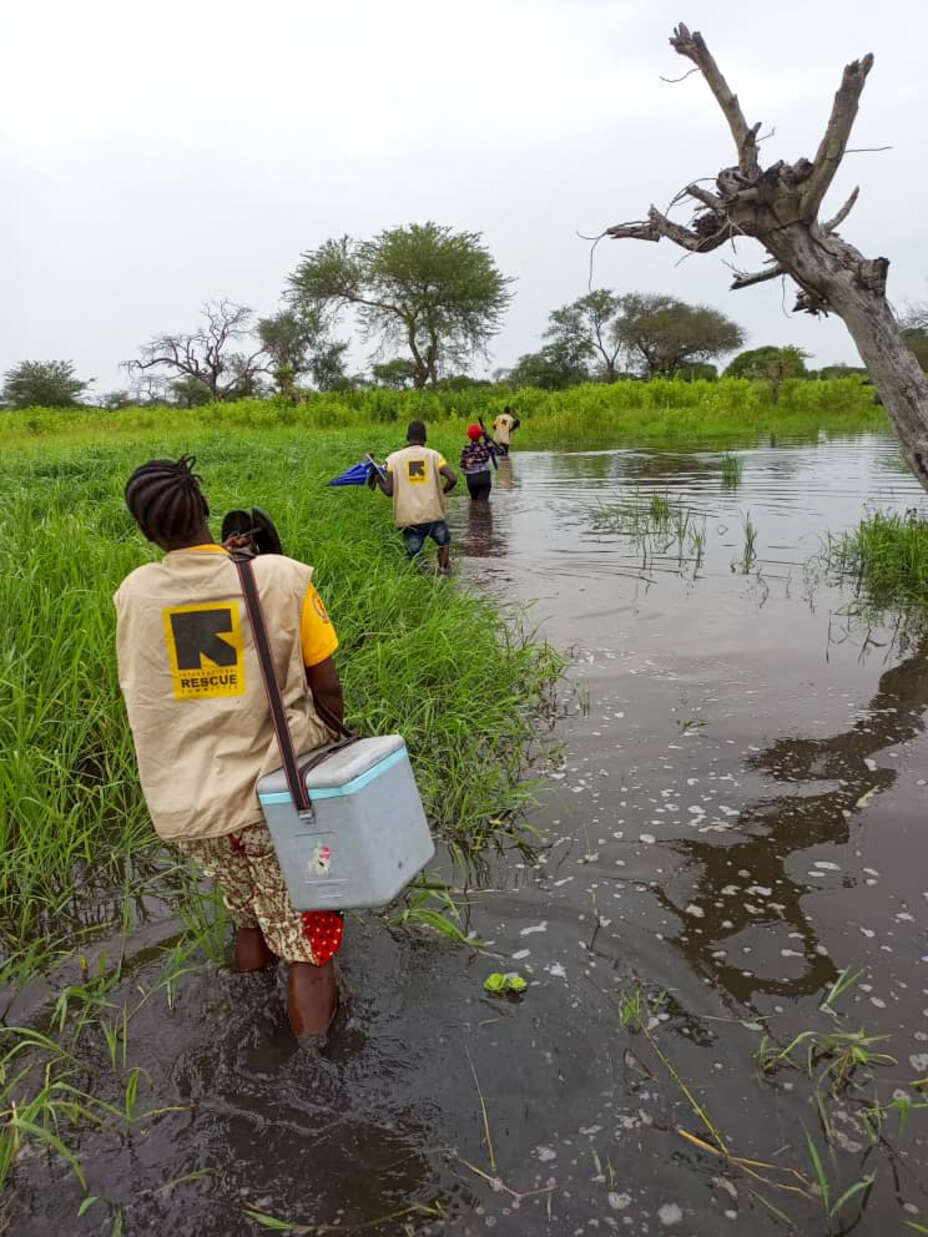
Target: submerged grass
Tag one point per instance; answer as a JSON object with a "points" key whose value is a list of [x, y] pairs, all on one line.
{"points": [[731, 471], [888, 556], [657, 526], [417, 656]]}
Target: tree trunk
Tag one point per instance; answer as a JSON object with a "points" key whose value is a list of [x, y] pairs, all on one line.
{"points": [[420, 369], [830, 270], [779, 207]]}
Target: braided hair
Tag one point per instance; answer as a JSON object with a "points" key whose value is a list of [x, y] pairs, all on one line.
{"points": [[165, 498]]}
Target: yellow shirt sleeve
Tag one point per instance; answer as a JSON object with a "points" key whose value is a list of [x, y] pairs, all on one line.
{"points": [[442, 463], [317, 634]]}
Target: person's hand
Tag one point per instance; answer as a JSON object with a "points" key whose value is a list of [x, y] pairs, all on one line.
{"points": [[239, 541]]}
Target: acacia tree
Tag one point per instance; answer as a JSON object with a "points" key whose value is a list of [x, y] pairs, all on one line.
{"points": [[587, 328], [771, 365], [42, 384], [399, 373], [297, 343], [557, 366], [209, 357], [665, 335], [424, 287], [779, 206]]}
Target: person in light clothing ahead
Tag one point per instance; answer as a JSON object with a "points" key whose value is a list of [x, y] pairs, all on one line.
{"points": [[417, 480], [203, 733], [503, 428]]}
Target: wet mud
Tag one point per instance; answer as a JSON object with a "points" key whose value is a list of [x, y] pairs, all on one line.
{"points": [[739, 816]]}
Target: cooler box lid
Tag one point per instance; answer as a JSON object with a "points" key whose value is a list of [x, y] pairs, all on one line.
{"points": [[340, 772]]}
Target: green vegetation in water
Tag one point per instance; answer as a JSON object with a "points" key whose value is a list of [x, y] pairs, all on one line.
{"points": [[509, 983], [731, 471], [887, 554], [733, 411], [842, 1068], [657, 526], [749, 552]]}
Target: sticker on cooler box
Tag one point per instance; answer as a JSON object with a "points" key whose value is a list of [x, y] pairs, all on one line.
{"points": [[321, 861]]}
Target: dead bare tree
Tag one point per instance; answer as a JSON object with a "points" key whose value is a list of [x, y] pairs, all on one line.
{"points": [[779, 206], [207, 357]]}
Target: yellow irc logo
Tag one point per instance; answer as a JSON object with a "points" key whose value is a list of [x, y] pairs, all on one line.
{"points": [[206, 650], [417, 472]]}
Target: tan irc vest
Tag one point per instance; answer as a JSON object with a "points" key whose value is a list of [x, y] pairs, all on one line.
{"points": [[418, 492], [192, 684], [502, 428]]}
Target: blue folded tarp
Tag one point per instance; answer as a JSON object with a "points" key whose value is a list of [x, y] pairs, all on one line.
{"points": [[356, 475]]}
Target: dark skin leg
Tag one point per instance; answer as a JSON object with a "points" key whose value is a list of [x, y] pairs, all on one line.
{"points": [[312, 998], [444, 557], [252, 952]]}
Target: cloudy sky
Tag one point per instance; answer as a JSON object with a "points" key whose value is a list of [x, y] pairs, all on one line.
{"points": [[155, 153]]}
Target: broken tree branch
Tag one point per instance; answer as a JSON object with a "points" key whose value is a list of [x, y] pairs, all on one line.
{"points": [[712, 200], [843, 212], [833, 144], [657, 225], [694, 48], [744, 279]]}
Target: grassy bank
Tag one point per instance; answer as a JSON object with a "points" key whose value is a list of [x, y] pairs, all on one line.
{"points": [[732, 411], [416, 656]]}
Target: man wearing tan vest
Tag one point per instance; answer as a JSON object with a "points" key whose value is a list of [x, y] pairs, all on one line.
{"points": [[417, 480], [191, 679], [503, 428]]}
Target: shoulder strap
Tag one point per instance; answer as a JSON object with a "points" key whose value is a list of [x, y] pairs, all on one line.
{"points": [[288, 759]]}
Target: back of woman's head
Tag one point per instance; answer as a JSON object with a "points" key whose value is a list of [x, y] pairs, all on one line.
{"points": [[165, 498]]}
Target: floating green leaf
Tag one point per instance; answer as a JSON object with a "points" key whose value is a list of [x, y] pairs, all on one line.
{"points": [[508, 982]]}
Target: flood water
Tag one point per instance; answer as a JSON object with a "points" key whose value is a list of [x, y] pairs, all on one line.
{"points": [[737, 814]]}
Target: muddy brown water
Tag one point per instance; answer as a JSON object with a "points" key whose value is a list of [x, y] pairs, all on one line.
{"points": [[738, 816]]}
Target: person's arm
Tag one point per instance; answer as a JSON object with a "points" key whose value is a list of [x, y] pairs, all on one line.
{"points": [[450, 476], [319, 641], [383, 479], [326, 688]]}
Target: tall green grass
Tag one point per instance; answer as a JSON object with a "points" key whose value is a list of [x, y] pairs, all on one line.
{"points": [[417, 656], [731, 411], [888, 555]]}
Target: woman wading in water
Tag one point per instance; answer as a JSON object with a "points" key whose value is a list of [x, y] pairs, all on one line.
{"points": [[191, 679]]}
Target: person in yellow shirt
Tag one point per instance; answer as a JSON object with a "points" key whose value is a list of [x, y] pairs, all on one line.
{"points": [[504, 427], [417, 479], [202, 729]]}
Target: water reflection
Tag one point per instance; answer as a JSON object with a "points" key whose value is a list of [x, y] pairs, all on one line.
{"points": [[745, 885], [505, 478], [482, 541]]}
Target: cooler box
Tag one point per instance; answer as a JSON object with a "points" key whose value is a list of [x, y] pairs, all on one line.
{"points": [[366, 836]]}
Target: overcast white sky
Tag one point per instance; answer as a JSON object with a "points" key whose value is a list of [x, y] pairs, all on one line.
{"points": [[155, 153]]}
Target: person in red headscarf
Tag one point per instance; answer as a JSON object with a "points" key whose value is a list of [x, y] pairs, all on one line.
{"points": [[477, 462]]}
